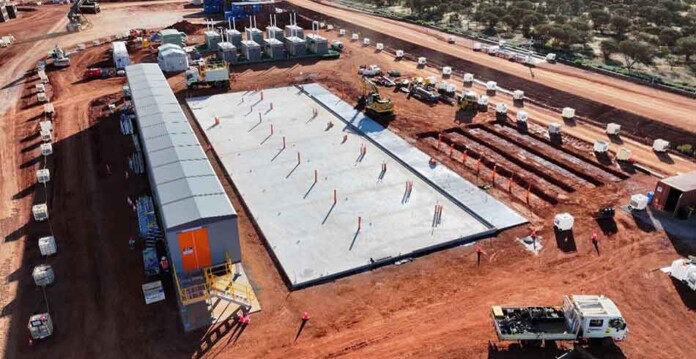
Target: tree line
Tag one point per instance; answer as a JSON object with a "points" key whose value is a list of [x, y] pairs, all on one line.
{"points": [[638, 30]]}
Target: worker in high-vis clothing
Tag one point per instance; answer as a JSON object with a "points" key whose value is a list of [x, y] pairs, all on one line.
{"points": [[164, 263], [595, 242]]}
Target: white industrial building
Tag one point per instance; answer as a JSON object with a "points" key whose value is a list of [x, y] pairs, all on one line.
{"points": [[172, 58], [199, 222]]}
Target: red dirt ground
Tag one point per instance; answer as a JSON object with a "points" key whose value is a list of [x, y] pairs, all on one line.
{"points": [[435, 306], [600, 98]]}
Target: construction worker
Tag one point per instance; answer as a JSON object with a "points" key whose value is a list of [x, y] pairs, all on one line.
{"points": [[479, 251], [595, 242], [131, 243], [305, 317], [164, 263]]}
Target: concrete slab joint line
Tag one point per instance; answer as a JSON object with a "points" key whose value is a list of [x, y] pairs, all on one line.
{"points": [[313, 234]]}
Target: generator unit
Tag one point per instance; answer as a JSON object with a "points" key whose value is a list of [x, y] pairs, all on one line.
{"points": [[660, 145], [43, 175], [568, 113], [468, 78], [47, 246], [684, 270], [638, 202], [563, 222], [555, 129], [601, 146], [491, 86], [613, 129], [40, 326], [522, 116]]}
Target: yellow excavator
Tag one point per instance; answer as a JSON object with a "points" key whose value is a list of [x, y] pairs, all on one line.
{"points": [[468, 102], [373, 102]]}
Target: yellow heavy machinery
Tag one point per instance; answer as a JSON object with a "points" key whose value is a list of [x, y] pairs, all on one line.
{"points": [[373, 102], [468, 102]]}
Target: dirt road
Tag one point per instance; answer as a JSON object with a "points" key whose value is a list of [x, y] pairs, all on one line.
{"points": [[641, 100], [36, 32]]}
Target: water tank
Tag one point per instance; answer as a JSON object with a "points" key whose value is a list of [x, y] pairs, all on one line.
{"points": [[40, 212], [43, 275], [491, 86], [555, 128], [468, 78], [563, 222], [660, 145], [47, 246], [43, 175], [501, 108], [355, 37], [446, 70], [568, 112], [624, 154], [517, 95], [422, 61], [522, 116], [341, 32], [46, 149], [379, 46], [638, 202], [399, 53], [601, 146], [366, 41], [613, 129]]}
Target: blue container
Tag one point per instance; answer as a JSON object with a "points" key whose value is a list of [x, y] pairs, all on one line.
{"points": [[650, 197], [213, 6]]}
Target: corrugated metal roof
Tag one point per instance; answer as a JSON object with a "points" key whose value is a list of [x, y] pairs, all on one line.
{"points": [[685, 182], [187, 190]]}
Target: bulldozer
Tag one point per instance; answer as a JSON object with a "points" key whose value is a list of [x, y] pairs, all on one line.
{"points": [[374, 104]]}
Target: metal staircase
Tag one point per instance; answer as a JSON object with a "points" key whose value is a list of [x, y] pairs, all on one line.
{"points": [[216, 282]]}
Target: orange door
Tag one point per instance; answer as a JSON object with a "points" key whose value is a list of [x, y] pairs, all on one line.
{"points": [[194, 249]]}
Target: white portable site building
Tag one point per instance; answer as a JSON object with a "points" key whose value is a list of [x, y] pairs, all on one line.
{"points": [[172, 58], [120, 54]]}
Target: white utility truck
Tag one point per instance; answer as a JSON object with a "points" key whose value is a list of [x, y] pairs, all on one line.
{"points": [[215, 75], [581, 317]]}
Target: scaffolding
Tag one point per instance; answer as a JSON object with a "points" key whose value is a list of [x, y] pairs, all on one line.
{"points": [[214, 281]]}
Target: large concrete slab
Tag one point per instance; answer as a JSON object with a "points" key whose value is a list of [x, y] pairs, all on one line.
{"points": [[467, 194], [312, 238]]}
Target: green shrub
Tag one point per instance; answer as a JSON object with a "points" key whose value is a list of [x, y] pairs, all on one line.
{"points": [[686, 149]]}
